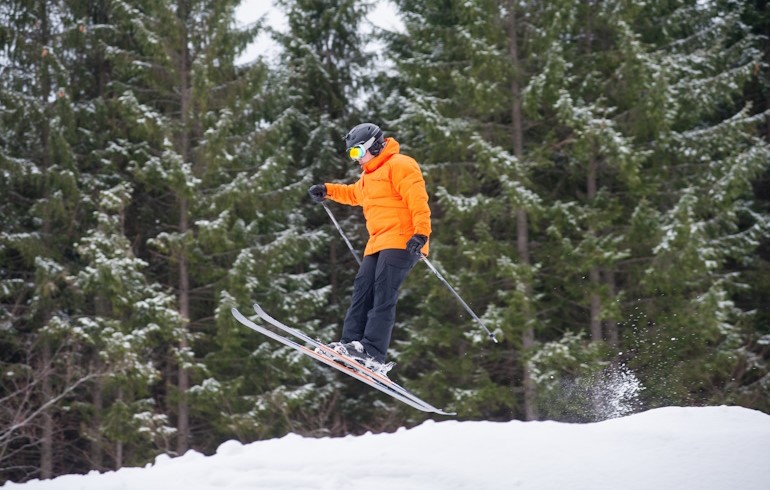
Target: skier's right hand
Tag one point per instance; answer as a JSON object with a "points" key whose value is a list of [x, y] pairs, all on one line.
{"points": [[415, 244], [317, 193]]}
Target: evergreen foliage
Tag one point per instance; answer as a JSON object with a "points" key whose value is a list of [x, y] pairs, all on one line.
{"points": [[598, 175]]}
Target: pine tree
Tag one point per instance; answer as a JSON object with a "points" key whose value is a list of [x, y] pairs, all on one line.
{"points": [[628, 95], [129, 318], [591, 176], [710, 151], [749, 383], [182, 89], [41, 208]]}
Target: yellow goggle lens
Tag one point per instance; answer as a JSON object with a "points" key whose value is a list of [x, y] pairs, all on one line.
{"points": [[357, 152]]}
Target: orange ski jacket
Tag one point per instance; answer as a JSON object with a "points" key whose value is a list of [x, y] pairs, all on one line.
{"points": [[392, 192]]}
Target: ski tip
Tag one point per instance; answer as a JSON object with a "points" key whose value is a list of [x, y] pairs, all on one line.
{"points": [[442, 412]]}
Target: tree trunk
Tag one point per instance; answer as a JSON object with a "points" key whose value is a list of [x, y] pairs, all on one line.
{"points": [[46, 443], [102, 308], [119, 444], [183, 421], [522, 224], [613, 335], [766, 75], [528, 338], [97, 453], [596, 305], [593, 275]]}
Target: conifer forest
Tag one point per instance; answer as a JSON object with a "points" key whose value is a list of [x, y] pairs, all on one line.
{"points": [[599, 181]]}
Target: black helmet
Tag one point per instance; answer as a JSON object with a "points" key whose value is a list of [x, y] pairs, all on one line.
{"points": [[362, 133]]}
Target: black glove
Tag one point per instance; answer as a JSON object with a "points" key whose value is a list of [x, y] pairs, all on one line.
{"points": [[317, 192], [415, 244]]}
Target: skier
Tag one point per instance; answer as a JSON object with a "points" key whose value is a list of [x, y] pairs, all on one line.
{"points": [[392, 192]]}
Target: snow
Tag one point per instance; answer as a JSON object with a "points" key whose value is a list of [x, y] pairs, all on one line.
{"points": [[669, 448]]}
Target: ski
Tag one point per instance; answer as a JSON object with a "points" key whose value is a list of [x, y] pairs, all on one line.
{"points": [[329, 352], [347, 366]]}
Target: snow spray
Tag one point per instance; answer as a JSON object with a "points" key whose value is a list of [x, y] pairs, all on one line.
{"points": [[610, 393]]}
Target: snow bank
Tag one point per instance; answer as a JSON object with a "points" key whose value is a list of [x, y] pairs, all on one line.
{"points": [[671, 448]]}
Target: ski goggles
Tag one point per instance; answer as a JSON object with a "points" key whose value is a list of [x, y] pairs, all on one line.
{"points": [[357, 152]]}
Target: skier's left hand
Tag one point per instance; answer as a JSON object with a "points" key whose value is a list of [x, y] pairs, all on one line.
{"points": [[318, 193], [415, 244]]}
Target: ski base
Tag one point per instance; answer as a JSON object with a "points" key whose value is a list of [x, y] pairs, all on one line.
{"points": [[328, 356]]}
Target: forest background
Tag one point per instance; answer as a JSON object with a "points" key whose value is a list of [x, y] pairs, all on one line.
{"points": [[599, 174]]}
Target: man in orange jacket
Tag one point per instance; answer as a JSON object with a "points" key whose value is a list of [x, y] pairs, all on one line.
{"points": [[392, 192]]}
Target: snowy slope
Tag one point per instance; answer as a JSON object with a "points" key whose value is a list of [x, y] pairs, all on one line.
{"points": [[715, 448]]}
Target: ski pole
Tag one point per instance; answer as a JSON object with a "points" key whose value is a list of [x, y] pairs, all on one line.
{"points": [[467, 308], [339, 228]]}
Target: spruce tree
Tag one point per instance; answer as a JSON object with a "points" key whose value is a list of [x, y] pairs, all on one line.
{"points": [[125, 319], [41, 208], [187, 102], [640, 100], [708, 153], [749, 385]]}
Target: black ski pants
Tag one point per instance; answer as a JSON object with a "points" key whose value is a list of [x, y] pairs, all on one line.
{"points": [[372, 311]]}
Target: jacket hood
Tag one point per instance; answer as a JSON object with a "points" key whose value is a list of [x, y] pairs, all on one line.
{"points": [[391, 148]]}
